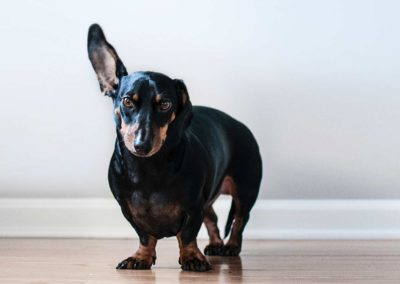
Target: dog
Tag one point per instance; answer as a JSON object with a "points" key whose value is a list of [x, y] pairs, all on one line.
{"points": [[172, 160]]}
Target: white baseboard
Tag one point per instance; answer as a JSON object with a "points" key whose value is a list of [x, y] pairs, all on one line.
{"points": [[270, 219]]}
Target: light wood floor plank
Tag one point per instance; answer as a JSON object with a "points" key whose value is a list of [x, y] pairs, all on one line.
{"points": [[94, 261]]}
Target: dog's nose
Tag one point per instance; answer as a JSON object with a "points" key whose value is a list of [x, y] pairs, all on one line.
{"points": [[142, 147]]}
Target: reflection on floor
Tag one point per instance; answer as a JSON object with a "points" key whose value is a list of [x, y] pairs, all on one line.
{"points": [[94, 260]]}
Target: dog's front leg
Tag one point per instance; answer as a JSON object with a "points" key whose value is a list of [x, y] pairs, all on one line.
{"points": [[190, 256], [144, 257]]}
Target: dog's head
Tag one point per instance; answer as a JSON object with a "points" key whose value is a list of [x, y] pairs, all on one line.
{"points": [[148, 106]]}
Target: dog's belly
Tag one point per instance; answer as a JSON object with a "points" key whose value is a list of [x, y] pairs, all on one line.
{"points": [[155, 214]]}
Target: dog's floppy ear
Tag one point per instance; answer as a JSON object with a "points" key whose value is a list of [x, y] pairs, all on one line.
{"points": [[105, 61], [183, 115], [182, 92], [185, 106]]}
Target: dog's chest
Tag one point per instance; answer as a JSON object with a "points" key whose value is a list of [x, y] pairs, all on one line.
{"points": [[155, 213]]}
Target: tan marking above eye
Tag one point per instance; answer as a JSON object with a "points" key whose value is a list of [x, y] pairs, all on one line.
{"points": [[135, 97], [158, 98]]}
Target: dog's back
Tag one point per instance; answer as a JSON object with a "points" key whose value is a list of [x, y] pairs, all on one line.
{"points": [[228, 142]]}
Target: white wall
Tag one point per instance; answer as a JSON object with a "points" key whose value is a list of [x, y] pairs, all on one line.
{"points": [[316, 81]]}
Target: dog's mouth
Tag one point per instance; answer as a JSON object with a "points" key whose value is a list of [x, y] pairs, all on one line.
{"points": [[143, 154]]}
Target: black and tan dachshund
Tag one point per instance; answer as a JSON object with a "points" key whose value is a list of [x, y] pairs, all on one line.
{"points": [[171, 161]]}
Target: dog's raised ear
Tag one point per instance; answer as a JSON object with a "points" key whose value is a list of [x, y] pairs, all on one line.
{"points": [[105, 61]]}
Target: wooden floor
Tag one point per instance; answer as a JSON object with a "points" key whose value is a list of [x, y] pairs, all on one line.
{"points": [[93, 261]]}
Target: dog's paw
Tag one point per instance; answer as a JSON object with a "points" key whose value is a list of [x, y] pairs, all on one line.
{"points": [[195, 263], [214, 249], [136, 263], [231, 250]]}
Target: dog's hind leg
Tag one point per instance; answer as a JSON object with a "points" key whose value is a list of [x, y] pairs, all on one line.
{"points": [[240, 218], [216, 245], [243, 185]]}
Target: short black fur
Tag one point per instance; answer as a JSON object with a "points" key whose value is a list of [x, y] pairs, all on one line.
{"points": [[172, 160]]}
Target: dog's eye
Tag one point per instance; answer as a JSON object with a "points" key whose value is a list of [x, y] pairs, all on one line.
{"points": [[128, 103], [165, 105]]}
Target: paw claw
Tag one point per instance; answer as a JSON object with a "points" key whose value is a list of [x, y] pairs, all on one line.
{"points": [[124, 264], [134, 263], [195, 264], [231, 250], [214, 249]]}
